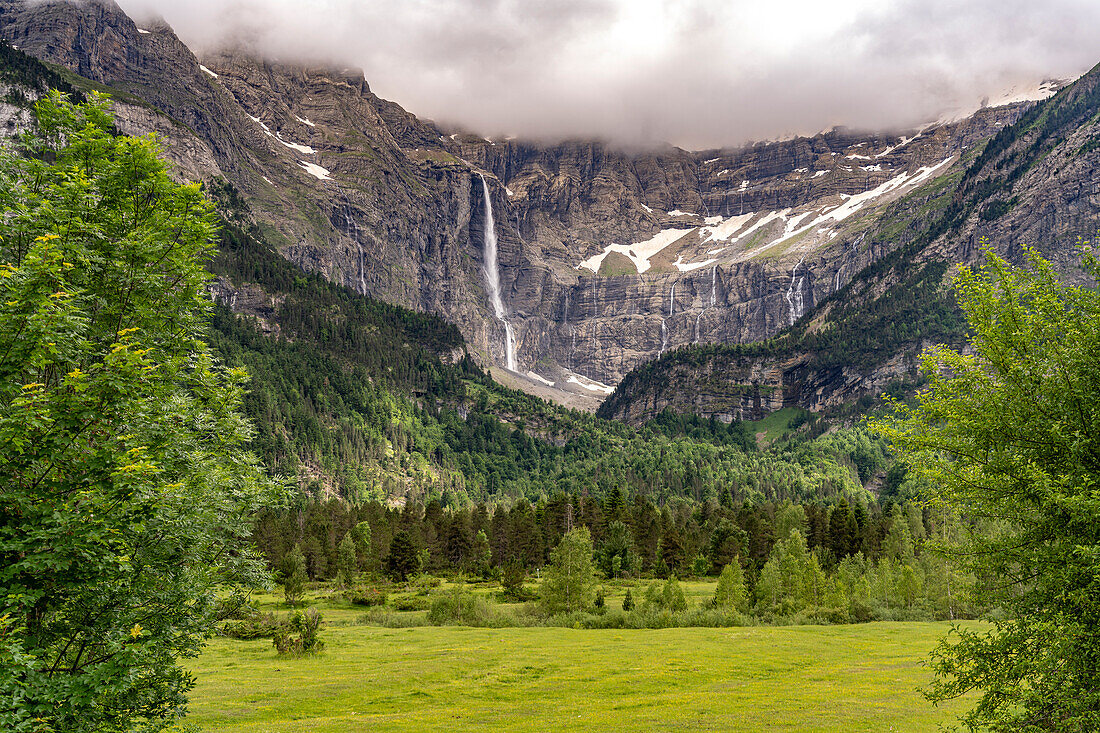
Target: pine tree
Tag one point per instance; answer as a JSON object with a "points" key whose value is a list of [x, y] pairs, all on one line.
{"points": [[401, 562], [293, 571]]}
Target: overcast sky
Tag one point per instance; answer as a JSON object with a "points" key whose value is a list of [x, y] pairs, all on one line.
{"points": [[698, 73]]}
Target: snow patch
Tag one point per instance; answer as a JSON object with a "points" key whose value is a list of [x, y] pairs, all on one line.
{"points": [[678, 212], [688, 267], [304, 121], [590, 384], [537, 378], [208, 71], [852, 204], [713, 220], [315, 170], [638, 253], [143, 32], [258, 121], [819, 174], [294, 146], [648, 210]]}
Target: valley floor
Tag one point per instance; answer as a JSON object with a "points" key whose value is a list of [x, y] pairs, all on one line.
{"points": [[797, 678]]}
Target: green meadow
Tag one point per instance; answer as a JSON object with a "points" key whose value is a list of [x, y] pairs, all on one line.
{"points": [[797, 678]]}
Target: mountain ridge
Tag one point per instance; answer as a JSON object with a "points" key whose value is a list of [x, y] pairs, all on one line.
{"points": [[363, 192]]}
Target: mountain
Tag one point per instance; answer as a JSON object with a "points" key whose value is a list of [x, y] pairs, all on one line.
{"points": [[359, 399], [1033, 185], [605, 257]]}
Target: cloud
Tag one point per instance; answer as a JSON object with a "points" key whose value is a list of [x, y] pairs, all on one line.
{"points": [[698, 73]]}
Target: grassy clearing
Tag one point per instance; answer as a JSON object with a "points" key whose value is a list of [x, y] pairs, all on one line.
{"points": [[850, 678], [774, 425]]}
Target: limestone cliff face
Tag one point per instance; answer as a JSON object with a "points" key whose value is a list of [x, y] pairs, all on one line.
{"points": [[1034, 185], [607, 258]]}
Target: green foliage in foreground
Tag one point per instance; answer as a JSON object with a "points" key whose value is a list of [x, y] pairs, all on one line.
{"points": [[126, 490], [1012, 433], [824, 679]]}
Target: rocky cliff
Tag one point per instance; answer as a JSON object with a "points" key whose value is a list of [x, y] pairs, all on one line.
{"points": [[1033, 185], [605, 257]]}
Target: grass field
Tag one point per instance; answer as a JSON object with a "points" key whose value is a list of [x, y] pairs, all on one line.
{"points": [[801, 678]]}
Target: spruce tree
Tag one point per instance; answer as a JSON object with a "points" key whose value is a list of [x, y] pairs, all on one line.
{"points": [[293, 571]]}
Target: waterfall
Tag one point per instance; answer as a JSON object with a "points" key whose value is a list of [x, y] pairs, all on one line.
{"points": [[362, 275], [573, 349], [713, 285], [836, 284], [794, 294], [352, 230], [672, 300], [697, 319], [664, 338], [491, 271]]}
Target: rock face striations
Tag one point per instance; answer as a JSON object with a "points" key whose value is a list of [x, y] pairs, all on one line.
{"points": [[604, 257], [1033, 185]]}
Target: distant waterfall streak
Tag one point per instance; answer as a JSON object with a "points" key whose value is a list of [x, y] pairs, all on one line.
{"points": [[491, 271], [672, 300], [794, 294], [664, 338], [713, 285], [362, 272]]}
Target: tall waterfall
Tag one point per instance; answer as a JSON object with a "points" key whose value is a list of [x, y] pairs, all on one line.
{"points": [[671, 300], [713, 285], [491, 271], [664, 338], [794, 294], [362, 275]]}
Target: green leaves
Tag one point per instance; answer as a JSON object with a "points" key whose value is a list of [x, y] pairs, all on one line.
{"points": [[1009, 434], [127, 493]]}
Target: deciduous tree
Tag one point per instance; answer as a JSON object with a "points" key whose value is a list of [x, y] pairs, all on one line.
{"points": [[1009, 432]]}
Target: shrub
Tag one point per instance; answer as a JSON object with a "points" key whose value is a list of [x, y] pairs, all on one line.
{"points": [[260, 626], [307, 627], [362, 595], [411, 603], [460, 607]]}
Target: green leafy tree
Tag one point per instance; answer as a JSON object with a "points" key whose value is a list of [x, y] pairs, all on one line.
{"points": [[346, 562], [293, 575], [730, 593], [1008, 433], [127, 489], [481, 554], [672, 595], [569, 580], [361, 535]]}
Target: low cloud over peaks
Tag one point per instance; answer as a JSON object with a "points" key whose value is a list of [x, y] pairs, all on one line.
{"points": [[698, 73]]}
